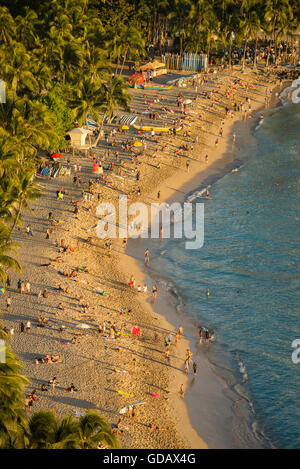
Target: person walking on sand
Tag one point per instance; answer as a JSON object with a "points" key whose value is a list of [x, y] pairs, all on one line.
{"points": [[195, 368], [180, 331], [27, 286], [147, 257], [181, 390], [124, 243], [132, 281], [8, 303], [8, 281], [22, 327], [154, 293], [189, 356], [28, 326], [207, 336], [176, 338], [200, 336], [167, 356], [206, 159], [28, 231]]}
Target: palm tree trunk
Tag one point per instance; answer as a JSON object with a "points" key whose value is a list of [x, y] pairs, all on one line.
{"points": [[268, 55], [244, 55], [124, 60], [149, 28], [208, 51], [118, 58], [181, 41], [17, 218], [254, 58], [100, 131]]}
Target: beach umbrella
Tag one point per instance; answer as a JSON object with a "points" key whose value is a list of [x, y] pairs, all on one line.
{"points": [[56, 155], [187, 101], [137, 144]]}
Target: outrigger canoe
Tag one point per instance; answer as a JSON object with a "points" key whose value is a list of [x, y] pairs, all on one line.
{"points": [[149, 129], [156, 88], [156, 129]]}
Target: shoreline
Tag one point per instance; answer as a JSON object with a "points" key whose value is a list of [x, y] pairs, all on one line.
{"points": [[110, 274], [216, 170]]}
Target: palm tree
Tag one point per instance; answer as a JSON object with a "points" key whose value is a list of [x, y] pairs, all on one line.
{"points": [[87, 99], [180, 20], [30, 122], [131, 44], [277, 14], [16, 65], [95, 63], [114, 96], [8, 154], [27, 191], [211, 25], [197, 12], [12, 385], [7, 26], [94, 430], [6, 246], [46, 432], [249, 25], [25, 27]]}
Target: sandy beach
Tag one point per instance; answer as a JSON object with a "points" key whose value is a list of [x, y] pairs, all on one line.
{"points": [[86, 282]]}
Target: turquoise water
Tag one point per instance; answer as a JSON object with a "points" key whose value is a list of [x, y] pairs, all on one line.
{"points": [[256, 251]]}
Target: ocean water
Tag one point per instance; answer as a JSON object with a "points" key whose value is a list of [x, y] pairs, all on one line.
{"points": [[252, 244]]}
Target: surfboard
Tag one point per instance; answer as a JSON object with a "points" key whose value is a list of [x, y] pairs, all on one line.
{"points": [[125, 393], [124, 409], [149, 129]]}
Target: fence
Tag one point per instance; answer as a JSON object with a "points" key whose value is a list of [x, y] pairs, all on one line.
{"points": [[191, 62]]}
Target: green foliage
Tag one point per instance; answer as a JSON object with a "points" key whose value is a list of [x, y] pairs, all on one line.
{"points": [[57, 57], [90, 431], [63, 117], [12, 384]]}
